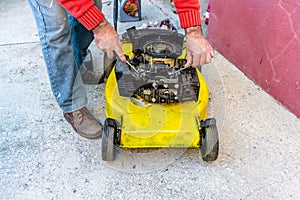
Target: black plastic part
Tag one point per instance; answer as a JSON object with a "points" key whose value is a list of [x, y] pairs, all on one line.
{"points": [[111, 122], [144, 37], [208, 122]]}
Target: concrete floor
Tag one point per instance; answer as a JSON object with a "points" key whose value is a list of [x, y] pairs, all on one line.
{"points": [[41, 157]]}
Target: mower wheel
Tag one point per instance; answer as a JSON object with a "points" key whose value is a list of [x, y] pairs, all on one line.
{"points": [[108, 146], [210, 143]]}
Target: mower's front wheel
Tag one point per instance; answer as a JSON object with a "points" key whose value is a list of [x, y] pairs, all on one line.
{"points": [[210, 143], [108, 146]]}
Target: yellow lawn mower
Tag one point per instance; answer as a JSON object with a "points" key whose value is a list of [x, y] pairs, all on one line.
{"points": [[154, 101]]}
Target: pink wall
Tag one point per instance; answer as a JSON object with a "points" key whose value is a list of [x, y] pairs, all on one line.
{"points": [[262, 38]]}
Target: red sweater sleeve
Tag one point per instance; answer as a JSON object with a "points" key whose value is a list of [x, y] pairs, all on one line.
{"points": [[188, 12], [85, 11]]}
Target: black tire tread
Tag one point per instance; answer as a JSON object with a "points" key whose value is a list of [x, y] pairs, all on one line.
{"points": [[210, 147], [108, 147]]}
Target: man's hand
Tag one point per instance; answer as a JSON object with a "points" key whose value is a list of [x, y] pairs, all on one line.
{"points": [[107, 39], [199, 51]]}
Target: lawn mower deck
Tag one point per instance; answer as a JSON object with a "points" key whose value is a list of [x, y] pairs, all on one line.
{"points": [[154, 101]]}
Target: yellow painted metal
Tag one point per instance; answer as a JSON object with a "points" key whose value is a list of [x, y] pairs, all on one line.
{"points": [[149, 125]]}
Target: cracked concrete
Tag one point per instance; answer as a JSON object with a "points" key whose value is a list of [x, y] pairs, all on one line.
{"points": [[41, 157]]}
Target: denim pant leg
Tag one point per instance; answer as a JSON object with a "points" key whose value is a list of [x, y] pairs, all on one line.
{"points": [[81, 38], [54, 32]]}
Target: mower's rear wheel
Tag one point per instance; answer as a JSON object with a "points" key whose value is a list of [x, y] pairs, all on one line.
{"points": [[210, 143], [108, 146]]}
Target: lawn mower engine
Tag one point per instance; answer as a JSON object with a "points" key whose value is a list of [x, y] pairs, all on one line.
{"points": [[155, 72]]}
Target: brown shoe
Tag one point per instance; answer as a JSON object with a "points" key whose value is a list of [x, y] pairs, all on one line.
{"points": [[84, 123]]}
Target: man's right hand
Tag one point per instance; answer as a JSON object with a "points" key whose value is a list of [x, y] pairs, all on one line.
{"points": [[107, 39], [199, 51]]}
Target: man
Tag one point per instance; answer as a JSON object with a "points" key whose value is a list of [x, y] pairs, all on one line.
{"points": [[65, 41]]}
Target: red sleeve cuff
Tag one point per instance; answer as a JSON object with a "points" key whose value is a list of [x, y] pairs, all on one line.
{"points": [[189, 18], [91, 18]]}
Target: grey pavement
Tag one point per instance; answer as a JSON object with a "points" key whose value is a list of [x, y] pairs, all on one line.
{"points": [[41, 157]]}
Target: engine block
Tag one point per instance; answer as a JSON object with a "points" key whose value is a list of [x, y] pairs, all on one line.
{"points": [[155, 73]]}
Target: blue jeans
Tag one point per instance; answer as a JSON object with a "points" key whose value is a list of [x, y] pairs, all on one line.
{"points": [[64, 44]]}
